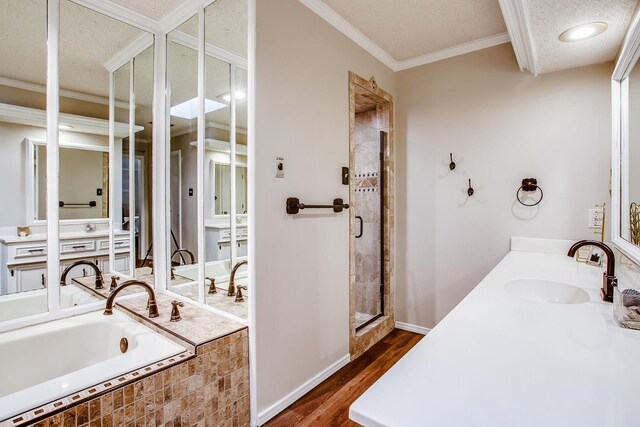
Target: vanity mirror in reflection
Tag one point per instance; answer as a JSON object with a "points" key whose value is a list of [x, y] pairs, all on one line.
{"points": [[23, 244]]}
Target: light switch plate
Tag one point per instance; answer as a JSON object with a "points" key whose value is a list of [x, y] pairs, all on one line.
{"points": [[279, 167]]}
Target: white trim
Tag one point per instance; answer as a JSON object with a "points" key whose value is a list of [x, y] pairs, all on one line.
{"points": [[34, 87], [412, 328], [515, 17], [233, 240], [52, 120], [221, 146], [160, 153], [121, 13], [628, 56], [342, 25], [200, 158], [460, 49], [34, 117], [132, 170], [251, 223], [181, 14], [139, 45], [212, 50], [296, 394]]}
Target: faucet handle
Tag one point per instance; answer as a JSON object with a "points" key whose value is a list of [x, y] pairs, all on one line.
{"points": [[114, 282], [173, 273], [175, 312], [212, 285], [239, 296]]}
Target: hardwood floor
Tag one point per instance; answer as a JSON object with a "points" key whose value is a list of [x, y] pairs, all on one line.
{"points": [[327, 405]]}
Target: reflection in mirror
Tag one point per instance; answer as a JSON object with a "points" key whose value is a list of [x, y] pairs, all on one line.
{"points": [[92, 46], [226, 31], [142, 250], [182, 88], [630, 208], [23, 273]]}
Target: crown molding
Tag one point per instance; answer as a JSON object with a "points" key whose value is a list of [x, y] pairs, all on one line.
{"points": [[342, 25], [181, 14], [515, 17], [210, 49], [121, 13], [34, 87], [35, 117], [460, 49], [130, 51]]}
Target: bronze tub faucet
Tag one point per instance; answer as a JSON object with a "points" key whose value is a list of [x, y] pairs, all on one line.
{"points": [[152, 305], [99, 283]]}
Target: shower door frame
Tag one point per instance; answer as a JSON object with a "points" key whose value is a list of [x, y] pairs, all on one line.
{"points": [[360, 339]]}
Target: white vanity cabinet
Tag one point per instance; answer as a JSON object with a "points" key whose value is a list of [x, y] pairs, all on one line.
{"points": [[23, 260], [218, 242]]}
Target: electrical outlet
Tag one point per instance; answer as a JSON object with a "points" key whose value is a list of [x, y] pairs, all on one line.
{"points": [[595, 218]]}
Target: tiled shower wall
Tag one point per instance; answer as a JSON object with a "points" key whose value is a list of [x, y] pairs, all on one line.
{"points": [[367, 195]]}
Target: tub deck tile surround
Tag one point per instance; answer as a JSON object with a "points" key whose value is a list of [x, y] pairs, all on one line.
{"points": [[208, 385]]}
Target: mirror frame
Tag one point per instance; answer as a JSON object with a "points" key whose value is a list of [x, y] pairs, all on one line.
{"points": [[629, 54], [30, 187]]}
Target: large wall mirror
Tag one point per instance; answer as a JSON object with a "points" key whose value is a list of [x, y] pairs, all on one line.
{"points": [[208, 158], [626, 153], [105, 70]]}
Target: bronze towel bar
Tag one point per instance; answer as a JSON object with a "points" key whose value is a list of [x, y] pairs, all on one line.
{"points": [[294, 206]]}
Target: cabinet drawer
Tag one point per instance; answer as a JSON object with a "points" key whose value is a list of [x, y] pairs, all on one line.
{"points": [[225, 234], [31, 251], [119, 242], [80, 246]]}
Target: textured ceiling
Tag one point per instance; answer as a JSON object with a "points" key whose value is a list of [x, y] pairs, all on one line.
{"points": [[549, 18], [88, 39], [409, 28]]}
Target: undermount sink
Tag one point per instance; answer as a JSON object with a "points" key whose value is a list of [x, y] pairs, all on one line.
{"points": [[542, 290]]}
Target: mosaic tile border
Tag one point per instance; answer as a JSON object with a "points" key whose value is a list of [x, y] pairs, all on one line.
{"points": [[92, 392]]}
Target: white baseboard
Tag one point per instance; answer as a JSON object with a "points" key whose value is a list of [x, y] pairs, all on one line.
{"points": [[296, 394], [413, 328]]}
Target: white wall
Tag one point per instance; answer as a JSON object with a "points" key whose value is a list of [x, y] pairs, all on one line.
{"points": [[302, 262], [501, 125]]}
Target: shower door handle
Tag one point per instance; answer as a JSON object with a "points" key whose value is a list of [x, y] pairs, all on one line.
{"points": [[359, 218]]}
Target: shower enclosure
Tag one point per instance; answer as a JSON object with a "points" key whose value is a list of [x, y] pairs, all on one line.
{"points": [[370, 129]]}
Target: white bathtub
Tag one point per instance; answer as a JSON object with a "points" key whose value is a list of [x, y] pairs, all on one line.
{"points": [[35, 302], [45, 362]]}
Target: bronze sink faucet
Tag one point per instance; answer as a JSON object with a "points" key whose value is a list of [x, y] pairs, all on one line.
{"points": [[232, 279], [99, 283], [609, 280], [153, 306]]}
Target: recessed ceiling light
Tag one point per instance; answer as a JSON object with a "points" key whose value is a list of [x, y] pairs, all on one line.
{"points": [[239, 95], [583, 32], [189, 109]]}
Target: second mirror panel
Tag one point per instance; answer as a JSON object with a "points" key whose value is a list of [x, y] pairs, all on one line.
{"points": [[92, 48], [182, 86]]}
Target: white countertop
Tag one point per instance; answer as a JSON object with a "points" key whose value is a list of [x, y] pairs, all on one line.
{"points": [[500, 360]]}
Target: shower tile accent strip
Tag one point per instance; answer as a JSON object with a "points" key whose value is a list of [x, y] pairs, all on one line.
{"points": [[208, 385]]}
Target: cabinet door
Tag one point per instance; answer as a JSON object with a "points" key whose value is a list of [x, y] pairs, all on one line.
{"points": [[224, 250], [121, 263], [31, 277], [242, 248]]}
